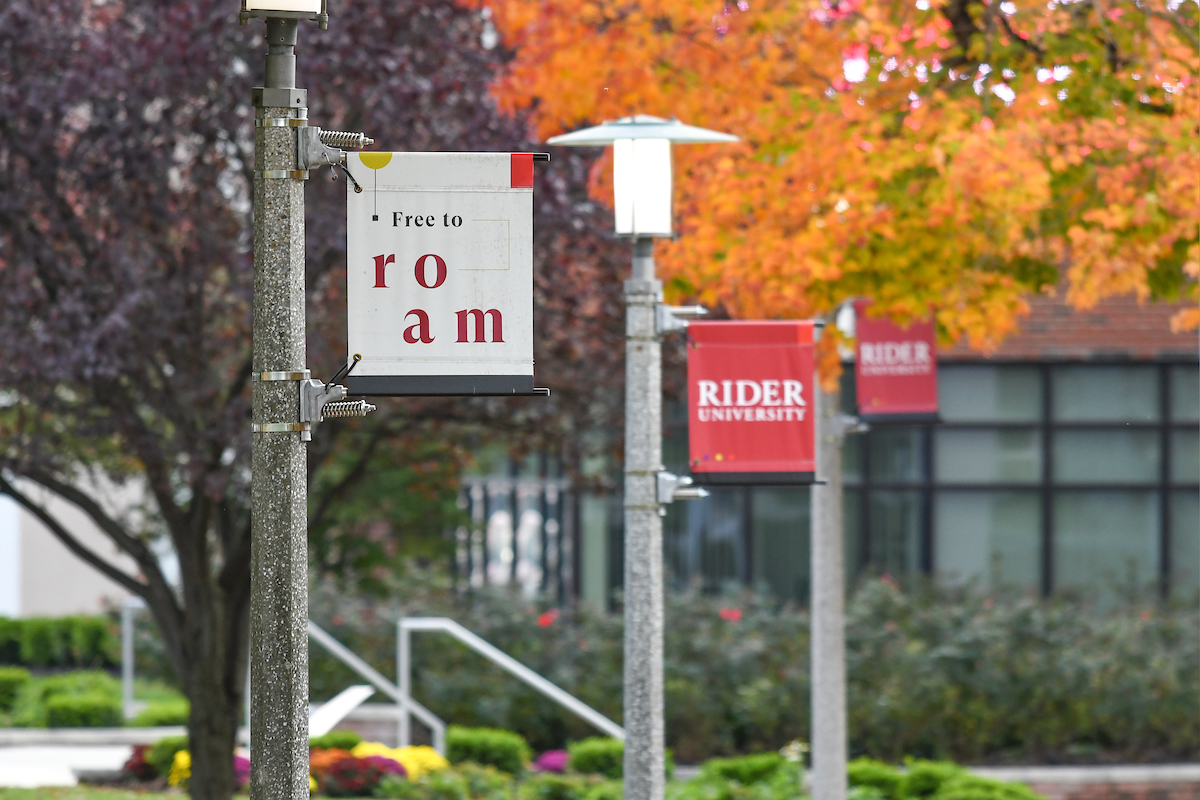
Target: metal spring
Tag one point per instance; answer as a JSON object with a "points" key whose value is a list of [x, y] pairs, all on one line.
{"points": [[344, 139], [346, 408]]}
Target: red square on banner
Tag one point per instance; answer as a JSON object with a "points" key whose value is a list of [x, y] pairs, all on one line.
{"points": [[750, 402], [896, 368]]}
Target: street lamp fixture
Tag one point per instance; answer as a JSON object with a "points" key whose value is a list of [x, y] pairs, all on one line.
{"points": [[642, 211], [641, 167], [285, 9]]}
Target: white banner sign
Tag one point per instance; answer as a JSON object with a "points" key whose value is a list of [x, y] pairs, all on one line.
{"points": [[439, 273]]}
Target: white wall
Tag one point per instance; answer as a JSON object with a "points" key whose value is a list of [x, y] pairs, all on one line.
{"points": [[10, 557], [48, 579]]}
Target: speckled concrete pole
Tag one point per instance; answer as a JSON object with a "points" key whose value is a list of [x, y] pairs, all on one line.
{"points": [[644, 766], [279, 524], [828, 613]]}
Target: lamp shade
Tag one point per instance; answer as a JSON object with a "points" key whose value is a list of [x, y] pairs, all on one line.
{"points": [[642, 126], [642, 187], [641, 167], [299, 6]]}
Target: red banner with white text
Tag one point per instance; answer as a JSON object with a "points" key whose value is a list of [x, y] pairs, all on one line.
{"points": [[750, 402], [896, 368]]}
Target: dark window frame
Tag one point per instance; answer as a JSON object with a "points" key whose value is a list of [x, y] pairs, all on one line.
{"points": [[865, 484]]}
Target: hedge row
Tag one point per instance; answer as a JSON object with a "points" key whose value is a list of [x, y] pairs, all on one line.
{"points": [[76, 641], [968, 677]]}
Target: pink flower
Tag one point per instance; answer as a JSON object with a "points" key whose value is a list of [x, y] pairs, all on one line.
{"points": [[241, 771], [730, 614], [551, 761], [547, 619]]}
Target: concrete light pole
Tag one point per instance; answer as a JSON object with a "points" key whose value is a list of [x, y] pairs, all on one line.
{"points": [[642, 194], [286, 404], [644, 728], [828, 640], [828, 636], [278, 495]]}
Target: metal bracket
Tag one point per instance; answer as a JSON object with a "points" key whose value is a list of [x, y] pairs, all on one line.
{"points": [[281, 427], [843, 424], [320, 401], [283, 174], [672, 487], [311, 152], [675, 318]]}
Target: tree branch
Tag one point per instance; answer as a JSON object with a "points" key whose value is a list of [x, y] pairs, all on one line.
{"points": [[137, 549], [71, 543]]}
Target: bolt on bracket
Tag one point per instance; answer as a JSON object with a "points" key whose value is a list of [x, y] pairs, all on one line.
{"points": [[672, 487], [675, 318]]}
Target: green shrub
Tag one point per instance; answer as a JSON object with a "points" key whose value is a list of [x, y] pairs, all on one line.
{"points": [[606, 790], [335, 740], [465, 782], [973, 787], [868, 772], [164, 712], [10, 641], [162, 753], [925, 778], [44, 642], [485, 782], [865, 792], [30, 708], [782, 784], [1025, 683], [95, 710], [74, 641], [504, 750], [745, 770], [93, 642], [552, 786], [601, 755], [11, 681]]}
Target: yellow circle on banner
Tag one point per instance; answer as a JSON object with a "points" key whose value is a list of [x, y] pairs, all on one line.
{"points": [[375, 160]]}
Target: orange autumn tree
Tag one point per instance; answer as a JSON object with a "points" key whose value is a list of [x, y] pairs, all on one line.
{"points": [[953, 154]]}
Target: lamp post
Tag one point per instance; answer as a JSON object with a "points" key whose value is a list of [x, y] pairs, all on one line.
{"points": [[285, 148], [642, 211]]}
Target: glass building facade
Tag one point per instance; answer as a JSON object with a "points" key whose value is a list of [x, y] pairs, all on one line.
{"points": [[1039, 476]]}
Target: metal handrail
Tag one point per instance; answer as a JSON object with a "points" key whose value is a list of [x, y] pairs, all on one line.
{"points": [[406, 625], [407, 704]]}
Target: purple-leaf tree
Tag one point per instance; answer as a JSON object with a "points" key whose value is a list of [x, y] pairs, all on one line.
{"points": [[126, 144]]}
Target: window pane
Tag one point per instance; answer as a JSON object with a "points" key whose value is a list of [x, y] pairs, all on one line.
{"points": [[852, 458], [852, 531], [1185, 394], [989, 394], [895, 533], [1185, 545], [994, 538], [897, 454], [1106, 394], [781, 549], [995, 456], [1116, 456], [702, 539], [1185, 456], [1106, 543]]}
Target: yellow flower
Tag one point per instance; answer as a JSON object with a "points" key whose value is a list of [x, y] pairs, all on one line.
{"points": [[312, 783], [417, 760], [181, 769]]}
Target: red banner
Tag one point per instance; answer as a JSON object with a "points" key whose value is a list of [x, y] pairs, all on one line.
{"points": [[896, 368], [750, 402]]}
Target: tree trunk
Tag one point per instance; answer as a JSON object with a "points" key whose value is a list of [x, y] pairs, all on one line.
{"points": [[210, 659]]}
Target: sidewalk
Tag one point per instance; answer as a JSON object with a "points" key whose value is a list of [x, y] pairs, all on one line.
{"points": [[55, 765]]}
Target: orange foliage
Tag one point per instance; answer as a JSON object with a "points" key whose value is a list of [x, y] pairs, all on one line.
{"points": [[945, 154]]}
